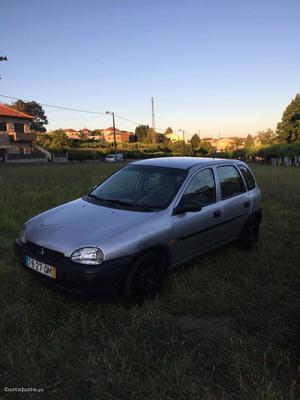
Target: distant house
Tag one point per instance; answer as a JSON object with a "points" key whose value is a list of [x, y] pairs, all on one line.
{"points": [[71, 133], [16, 136], [173, 137], [121, 136], [227, 143], [223, 144], [100, 134], [86, 132]]}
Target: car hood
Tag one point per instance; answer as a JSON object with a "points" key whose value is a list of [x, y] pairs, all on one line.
{"points": [[79, 223]]}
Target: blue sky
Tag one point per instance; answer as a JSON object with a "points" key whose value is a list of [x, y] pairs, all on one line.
{"points": [[223, 66]]}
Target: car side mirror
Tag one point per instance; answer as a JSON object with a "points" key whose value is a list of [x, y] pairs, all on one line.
{"points": [[187, 205]]}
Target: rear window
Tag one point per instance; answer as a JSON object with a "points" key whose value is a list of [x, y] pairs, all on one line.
{"points": [[231, 181], [248, 177]]}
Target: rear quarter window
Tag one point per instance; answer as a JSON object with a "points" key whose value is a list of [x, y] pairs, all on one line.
{"points": [[248, 177]]}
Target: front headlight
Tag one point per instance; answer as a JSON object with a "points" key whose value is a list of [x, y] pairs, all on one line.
{"points": [[22, 235], [88, 255]]}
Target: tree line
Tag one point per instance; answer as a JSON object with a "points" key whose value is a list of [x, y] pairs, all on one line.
{"points": [[283, 141]]}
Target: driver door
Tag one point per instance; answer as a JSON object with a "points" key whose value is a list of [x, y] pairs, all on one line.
{"points": [[197, 231]]}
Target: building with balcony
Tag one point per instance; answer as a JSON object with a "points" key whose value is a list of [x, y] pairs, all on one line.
{"points": [[15, 132], [16, 137]]}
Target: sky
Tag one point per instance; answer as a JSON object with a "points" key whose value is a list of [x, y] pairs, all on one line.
{"points": [[227, 67]]}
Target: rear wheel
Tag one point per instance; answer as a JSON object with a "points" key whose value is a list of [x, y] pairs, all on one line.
{"points": [[144, 278], [249, 235]]}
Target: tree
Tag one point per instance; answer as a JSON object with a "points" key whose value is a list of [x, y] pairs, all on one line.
{"points": [[164, 138], [237, 142], [2, 58], [195, 141], [56, 141], [59, 140], [288, 130], [181, 148], [36, 110], [152, 136], [168, 131], [267, 137], [249, 142], [206, 145], [141, 132]]}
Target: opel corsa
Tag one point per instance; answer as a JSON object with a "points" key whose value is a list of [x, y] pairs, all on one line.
{"points": [[144, 220]]}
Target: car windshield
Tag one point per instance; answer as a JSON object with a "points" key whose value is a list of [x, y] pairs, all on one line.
{"points": [[140, 187]]}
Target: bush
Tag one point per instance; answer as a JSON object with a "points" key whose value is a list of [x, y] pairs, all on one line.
{"points": [[280, 150], [81, 155]]}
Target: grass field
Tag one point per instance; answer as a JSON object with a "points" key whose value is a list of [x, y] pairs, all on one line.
{"points": [[75, 349]]}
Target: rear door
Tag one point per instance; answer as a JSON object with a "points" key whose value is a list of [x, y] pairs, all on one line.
{"points": [[197, 231], [235, 201]]}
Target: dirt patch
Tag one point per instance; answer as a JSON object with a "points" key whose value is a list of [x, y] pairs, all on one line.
{"points": [[206, 327]]}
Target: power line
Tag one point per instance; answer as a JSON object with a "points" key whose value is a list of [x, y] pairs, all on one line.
{"points": [[135, 122], [58, 107], [128, 120], [82, 111], [73, 109], [72, 119]]}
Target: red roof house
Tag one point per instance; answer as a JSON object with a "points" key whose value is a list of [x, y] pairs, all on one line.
{"points": [[6, 111], [15, 132]]}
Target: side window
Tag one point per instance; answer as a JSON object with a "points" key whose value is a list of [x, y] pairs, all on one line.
{"points": [[19, 127], [231, 182], [248, 177], [3, 126], [202, 188]]}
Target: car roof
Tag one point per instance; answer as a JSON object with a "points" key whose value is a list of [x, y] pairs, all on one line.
{"points": [[184, 162]]}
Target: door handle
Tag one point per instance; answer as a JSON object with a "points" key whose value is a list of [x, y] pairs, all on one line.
{"points": [[247, 204], [217, 213]]}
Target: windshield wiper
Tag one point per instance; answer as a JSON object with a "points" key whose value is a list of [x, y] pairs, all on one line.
{"points": [[111, 201], [94, 196], [116, 201], [123, 203]]}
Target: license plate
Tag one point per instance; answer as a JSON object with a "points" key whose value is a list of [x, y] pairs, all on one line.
{"points": [[40, 267]]}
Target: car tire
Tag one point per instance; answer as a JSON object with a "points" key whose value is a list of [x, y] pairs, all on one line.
{"points": [[144, 278], [249, 235]]}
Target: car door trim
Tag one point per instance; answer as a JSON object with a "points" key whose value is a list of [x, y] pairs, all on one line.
{"points": [[210, 227]]}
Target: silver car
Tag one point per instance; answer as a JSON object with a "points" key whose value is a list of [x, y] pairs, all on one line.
{"points": [[144, 220]]}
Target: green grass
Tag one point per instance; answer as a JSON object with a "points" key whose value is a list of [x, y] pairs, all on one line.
{"points": [[76, 349]]}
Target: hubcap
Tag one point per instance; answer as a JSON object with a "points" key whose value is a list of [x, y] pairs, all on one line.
{"points": [[252, 233], [147, 282]]}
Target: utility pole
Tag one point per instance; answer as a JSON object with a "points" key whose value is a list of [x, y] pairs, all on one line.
{"points": [[114, 127], [183, 134], [153, 114], [183, 138]]}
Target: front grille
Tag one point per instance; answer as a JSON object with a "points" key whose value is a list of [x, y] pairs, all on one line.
{"points": [[42, 253]]}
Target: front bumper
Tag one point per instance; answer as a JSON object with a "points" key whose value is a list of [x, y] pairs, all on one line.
{"points": [[91, 281]]}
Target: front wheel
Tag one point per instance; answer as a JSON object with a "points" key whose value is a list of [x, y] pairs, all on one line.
{"points": [[249, 235], [144, 278]]}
